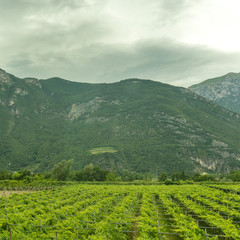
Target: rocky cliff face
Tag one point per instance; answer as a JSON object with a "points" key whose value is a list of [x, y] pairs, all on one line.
{"points": [[223, 90]]}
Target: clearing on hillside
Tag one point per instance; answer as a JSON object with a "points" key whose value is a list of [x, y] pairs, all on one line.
{"points": [[100, 150]]}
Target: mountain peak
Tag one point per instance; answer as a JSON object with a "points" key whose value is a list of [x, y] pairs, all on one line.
{"points": [[134, 80], [3, 72], [4, 77], [232, 75], [224, 90]]}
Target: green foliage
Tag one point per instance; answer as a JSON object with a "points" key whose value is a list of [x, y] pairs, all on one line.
{"points": [[204, 177], [176, 176], [235, 176], [129, 176], [5, 175], [162, 177], [101, 150], [169, 182], [90, 173], [62, 170], [24, 174], [84, 211], [112, 177], [148, 177], [150, 127], [34, 184]]}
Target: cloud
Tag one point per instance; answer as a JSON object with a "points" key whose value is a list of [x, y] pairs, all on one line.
{"points": [[164, 61], [109, 40]]}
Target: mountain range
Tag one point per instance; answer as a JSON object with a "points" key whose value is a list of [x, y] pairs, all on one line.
{"points": [[224, 90], [134, 124]]}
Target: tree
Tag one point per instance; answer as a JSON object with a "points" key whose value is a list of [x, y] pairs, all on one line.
{"points": [[112, 177], [204, 177], [162, 177], [235, 176], [91, 173], [23, 174], [62, 170], [148, 177], [128, 176], [4, 175], [176, 176], [183, 176]]}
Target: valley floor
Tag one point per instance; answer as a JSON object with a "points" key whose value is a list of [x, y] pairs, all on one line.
{"points": [[83, 211]]}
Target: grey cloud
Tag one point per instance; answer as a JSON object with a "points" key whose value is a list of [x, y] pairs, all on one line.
{"points": [[41, 21], [175, 5], [171, 12], [20, 62], [161, 61], [61, 38], [26, 5], [164, 61]]}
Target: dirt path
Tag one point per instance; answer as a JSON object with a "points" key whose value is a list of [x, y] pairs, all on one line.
{"points": [[8, 193], [134, 231]]}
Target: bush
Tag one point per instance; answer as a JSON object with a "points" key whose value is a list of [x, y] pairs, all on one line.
{"points": [[169, 182]]}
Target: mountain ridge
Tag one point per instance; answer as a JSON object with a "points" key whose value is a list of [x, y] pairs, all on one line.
{"points": [[224, 90], [151, 125]]}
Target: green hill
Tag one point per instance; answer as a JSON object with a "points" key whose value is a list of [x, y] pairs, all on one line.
{"points": [[133, 124]]}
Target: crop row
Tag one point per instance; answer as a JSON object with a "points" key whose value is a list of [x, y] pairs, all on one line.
{"points": [[99, 212]]}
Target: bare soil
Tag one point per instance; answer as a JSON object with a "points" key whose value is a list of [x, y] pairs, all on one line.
{"points": [[8, 193]]}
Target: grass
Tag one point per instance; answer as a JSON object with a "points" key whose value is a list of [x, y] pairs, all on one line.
{"points": [[101, 150]]}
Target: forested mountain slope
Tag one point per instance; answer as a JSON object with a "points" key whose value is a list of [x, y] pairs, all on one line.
{"points": [[133, 124]]}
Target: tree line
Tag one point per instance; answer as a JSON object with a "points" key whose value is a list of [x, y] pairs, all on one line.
{"points": [[62, 171]]}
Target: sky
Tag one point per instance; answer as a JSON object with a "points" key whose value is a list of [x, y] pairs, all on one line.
{"points": [[180, 42]]}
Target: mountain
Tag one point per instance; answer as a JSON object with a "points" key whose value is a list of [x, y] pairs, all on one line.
{"points": [[224, 90], [133, 124]]}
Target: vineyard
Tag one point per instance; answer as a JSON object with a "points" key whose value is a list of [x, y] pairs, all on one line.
{"points": [[122, 212]]}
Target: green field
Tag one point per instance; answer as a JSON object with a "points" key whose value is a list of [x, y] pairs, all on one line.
{"points": [[100, 150], [101, 212]]}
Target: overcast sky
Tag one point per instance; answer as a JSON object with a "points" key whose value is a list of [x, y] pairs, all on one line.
{"points": [[180, 42]]}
